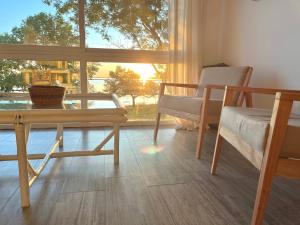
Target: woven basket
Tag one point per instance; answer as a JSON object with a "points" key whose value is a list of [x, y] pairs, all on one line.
{"points": [[47, 95]]}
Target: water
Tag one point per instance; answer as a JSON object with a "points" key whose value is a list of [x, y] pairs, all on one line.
{"points": [[97, 85]]}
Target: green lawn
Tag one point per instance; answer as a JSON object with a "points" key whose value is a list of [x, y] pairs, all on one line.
{"points": [[143, 112], [139, 112]]}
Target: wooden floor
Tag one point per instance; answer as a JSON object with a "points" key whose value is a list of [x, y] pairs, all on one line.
{"points": [[153, 185]]}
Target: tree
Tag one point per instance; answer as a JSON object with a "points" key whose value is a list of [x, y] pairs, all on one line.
{"points": [[8, 39], [10, 70], [10, 75], [46, 29], [124, 82], [150, 88], [143, 22], [92, 69]]}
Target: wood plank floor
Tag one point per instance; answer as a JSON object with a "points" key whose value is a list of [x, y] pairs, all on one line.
{"points": [[153, 185]]}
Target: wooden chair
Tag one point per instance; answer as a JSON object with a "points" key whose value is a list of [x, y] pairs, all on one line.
{"points": [[268, 139], [205, 107]]}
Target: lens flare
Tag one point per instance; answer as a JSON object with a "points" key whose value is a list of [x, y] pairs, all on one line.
{"points": [[152, 150]]}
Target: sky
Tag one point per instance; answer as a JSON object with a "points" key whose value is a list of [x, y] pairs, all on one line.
{"points": [[14, 11]]}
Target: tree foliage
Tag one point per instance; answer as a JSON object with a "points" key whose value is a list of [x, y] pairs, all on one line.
{"points": [[151, 88], [143, 22], [125, 82], [46, 29], [8, 39], [10, 70], [10, 75]]}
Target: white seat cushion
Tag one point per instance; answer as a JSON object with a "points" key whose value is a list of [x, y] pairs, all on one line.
{"points": [[252, 125], [186, 107]]}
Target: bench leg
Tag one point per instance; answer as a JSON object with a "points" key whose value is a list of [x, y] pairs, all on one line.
{"points": [[22, 164], [59, 134]]}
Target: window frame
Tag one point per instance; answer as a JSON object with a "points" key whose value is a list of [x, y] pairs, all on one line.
{"points": [[82, 54]]}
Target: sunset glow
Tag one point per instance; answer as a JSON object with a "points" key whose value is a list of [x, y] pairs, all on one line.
{"points": [[145, 70]]}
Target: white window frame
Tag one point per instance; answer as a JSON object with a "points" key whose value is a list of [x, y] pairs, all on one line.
{"points": [[82, 54]]}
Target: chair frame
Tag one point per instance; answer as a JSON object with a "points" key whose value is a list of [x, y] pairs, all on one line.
{"points": [[270, 164], [205, 118]]}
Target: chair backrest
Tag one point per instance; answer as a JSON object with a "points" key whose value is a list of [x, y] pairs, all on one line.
{"points": [[231, 76], [296, 108]]}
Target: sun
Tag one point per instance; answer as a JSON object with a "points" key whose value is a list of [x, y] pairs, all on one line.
{"points": [[146, 71]]}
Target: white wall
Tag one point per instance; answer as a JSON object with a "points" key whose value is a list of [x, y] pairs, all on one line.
{"points": [[212, 31], [266, 35]]}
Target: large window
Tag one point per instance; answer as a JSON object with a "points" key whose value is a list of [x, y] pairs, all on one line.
{"points": [[86, 46]]}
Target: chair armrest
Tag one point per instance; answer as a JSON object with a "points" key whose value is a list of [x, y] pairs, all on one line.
{"points": [[213, 86], [290, 96], [195, 86], [269, 91], [282, 94], [278, 129], [163, 86]]}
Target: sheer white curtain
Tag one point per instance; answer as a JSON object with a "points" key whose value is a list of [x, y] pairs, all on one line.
{"points": [[186, 22], [186, 31]]}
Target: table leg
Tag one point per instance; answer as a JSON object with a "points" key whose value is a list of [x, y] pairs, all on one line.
{"points": [[22, 163], [60, 133], [27, 131], [116, 143]]}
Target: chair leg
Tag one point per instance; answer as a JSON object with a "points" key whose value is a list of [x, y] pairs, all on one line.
{"points": [[156, 126], [203, 121], [217, 153], [262, 195], [202, 130]]}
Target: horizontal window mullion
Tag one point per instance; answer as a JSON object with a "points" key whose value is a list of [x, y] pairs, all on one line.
{"points": [[33, 52], [37, 48], [38, 56], [87, 54], [128, 57]]}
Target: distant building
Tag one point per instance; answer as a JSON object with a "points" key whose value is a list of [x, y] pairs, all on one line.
{"points": [[56, 72]]}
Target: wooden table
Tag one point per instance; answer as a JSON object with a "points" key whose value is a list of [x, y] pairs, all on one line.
{"points": [[106, 109]]}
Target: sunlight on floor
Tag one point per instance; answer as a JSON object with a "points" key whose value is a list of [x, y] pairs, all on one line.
{"points": [[152, 150]]}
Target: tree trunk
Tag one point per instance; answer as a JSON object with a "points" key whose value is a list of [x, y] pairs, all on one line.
{"points": [[133, 100]]}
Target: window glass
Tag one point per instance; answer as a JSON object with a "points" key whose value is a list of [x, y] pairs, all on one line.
{"points": [[38, 22], [136, 84], [127, 24], [18, 75]]}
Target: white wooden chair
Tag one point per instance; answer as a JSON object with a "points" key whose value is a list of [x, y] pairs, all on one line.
{"points": [[270, 140], [205, 107]]}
